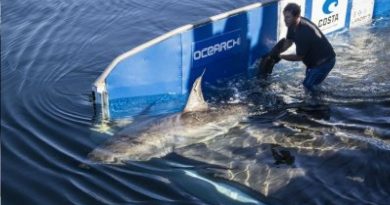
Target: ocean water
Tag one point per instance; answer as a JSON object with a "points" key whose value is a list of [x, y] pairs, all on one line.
{"points": [[333, 148]]}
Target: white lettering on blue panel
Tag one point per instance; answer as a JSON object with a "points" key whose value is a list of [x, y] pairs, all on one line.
{"points": [[222, 46]]}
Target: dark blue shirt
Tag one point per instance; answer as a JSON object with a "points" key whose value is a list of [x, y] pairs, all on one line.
{"points": [[310, 43]]}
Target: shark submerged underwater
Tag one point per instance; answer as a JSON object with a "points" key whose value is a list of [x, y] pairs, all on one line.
{"points": [[197, 123], [291, 153]]}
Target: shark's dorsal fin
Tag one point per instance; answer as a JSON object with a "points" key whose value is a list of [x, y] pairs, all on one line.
{"points": [[196, 102]]}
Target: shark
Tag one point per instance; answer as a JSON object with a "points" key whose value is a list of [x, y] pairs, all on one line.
{"points": [[198, 122]]}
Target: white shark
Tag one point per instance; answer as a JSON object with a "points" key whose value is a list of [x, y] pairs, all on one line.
{"points": [[197, 123]]}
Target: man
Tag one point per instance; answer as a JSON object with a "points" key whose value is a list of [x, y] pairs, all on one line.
{"points": [[312, 47]]}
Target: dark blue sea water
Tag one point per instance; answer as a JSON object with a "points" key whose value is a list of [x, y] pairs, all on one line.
{"points": [[53, 50]]}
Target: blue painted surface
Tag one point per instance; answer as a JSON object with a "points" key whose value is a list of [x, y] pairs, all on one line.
{"points": [[226, 45], [308, 6], [348, 17], [153, 71], [381, 8], [142, 105], [158, 79]]}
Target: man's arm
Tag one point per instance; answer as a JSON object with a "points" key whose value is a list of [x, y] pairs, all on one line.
{"points": [[287, 44], [289, 57]]}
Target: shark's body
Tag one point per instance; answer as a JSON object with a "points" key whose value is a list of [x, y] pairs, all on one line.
{"points": [[197, 123]]}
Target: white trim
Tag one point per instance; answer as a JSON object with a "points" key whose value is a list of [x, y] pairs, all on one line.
{"points": [[235, 11]]}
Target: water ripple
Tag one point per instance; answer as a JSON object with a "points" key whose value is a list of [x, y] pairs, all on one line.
{"points": [[52, 51]]}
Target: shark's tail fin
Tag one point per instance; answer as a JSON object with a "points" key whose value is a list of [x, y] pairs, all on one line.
{"points": [[196, 101]]}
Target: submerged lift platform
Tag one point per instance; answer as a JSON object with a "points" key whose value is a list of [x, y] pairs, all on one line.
{"points": [[157, 76]]}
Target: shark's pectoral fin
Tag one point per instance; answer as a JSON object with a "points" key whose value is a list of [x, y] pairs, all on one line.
{"points": [[196, 102]]}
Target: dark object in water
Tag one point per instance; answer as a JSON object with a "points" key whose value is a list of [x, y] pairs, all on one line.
{"points": [[281, 155], [269, 60]]}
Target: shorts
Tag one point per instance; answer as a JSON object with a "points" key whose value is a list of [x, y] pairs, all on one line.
{"points": [[315, 75]]}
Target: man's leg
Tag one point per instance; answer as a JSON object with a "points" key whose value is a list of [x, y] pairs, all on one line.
{"points": [[315, 76]]}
